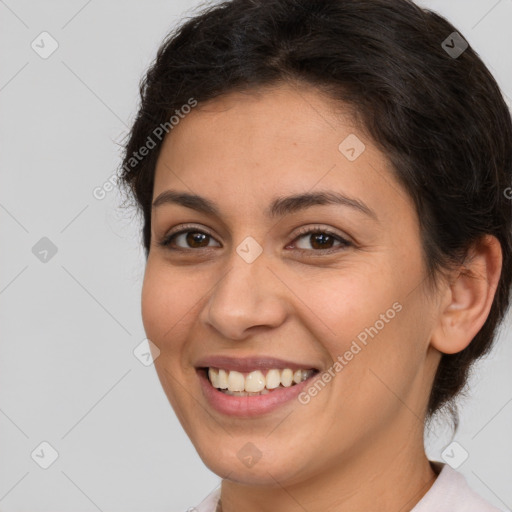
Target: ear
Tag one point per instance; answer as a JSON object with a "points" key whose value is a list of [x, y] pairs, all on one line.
{"points": [[468, 298]]}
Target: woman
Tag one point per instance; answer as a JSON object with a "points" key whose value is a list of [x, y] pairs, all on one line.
{"points": [[328, 245]]}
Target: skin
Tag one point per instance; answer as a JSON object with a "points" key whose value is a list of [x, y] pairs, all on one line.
{"points": [[358, 444]]}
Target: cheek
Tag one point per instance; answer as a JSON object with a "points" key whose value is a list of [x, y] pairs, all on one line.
{"points": [[154, 303], [166, 299], [164, 307], [343, 302], [388, 370], [367, 316]]}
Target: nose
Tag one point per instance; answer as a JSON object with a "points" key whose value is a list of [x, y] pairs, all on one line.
{"points": [[247, 297]]}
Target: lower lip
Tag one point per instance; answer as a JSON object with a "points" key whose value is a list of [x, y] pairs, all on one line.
{"points": [[246, 406]]}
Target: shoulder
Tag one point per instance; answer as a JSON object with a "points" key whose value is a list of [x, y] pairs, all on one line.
{"points": [[451, 493]]}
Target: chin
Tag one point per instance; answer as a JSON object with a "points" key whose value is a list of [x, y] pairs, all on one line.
{"points": [[249, 465]]}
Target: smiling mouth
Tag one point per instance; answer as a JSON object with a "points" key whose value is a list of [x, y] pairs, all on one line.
{"points": [[258, 382]]}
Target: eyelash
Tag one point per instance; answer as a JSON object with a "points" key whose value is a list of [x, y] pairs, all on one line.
{"points": [[167, 240]]}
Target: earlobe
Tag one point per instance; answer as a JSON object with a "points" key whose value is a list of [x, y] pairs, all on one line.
{"points": [[468, 297]]}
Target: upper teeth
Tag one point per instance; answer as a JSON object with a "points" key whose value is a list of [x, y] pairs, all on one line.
{"points": [[255, 381]]}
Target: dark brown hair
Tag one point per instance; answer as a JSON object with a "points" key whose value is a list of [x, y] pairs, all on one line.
{"points": [[428, 102]]}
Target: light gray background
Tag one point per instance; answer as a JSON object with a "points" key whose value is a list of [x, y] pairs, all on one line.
{"points": [[68, 375]]}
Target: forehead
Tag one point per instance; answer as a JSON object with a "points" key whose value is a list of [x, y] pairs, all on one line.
{"points": [[241, 149], [254, 127]]}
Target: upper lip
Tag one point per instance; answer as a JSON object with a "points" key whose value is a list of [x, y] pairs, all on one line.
{"points": [[249, 364]]}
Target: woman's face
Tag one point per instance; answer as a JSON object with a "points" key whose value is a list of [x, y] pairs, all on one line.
{"points": [[244, 284]]}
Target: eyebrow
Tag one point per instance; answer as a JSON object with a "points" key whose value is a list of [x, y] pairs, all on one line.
{"points": [[279, 207]]}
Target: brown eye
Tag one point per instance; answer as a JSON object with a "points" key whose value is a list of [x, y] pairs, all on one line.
{"points": [[321, 239], [190, 239], [196, 239]]}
